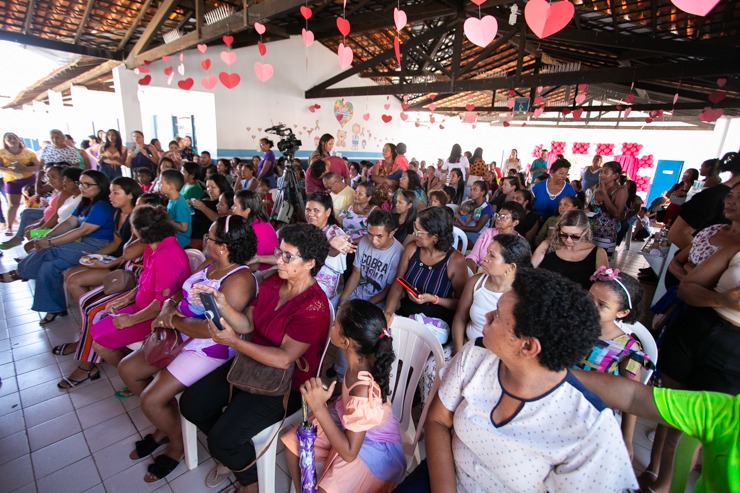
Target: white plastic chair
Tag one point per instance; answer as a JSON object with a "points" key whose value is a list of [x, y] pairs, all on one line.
{"points": [[460, 236], [649, 346], [196, 257], [412, 343], [455, 208]]}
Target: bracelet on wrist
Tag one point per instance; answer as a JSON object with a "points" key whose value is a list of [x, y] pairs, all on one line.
{"points": [[436, 300]]}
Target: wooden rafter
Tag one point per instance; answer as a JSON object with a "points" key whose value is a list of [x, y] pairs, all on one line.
{"points": [[134, 25], [29, 16], [151, 30], [83, 21]]}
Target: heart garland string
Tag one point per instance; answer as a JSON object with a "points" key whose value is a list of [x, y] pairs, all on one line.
{"points": [[344, 52], [306, 33], [400, 20], [209, 80], [228, 79], [263, 71]]}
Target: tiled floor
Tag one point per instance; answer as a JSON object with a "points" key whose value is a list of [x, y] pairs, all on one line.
{"points": [[57, 441]]}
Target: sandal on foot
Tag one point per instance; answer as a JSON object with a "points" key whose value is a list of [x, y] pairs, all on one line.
{"points": [[65, 349], [162, 466], [10, 276], [146, 447], [124, 393], [68, 383], [215, 478], [51, 316]]}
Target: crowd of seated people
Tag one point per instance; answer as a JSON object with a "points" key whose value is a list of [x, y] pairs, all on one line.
{"points": [[523, 328]]}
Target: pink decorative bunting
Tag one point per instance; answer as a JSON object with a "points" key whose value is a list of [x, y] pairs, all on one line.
{"points": [[263, 71], [481, 32], [545, 19], [308, 37], [186, 84], [228, 57], [229, 81], [399, 18], [306, 12], [345, 55], [260, 28], [209, 82], [343, 26], [696, 7], [202, 48], [228, 40]]}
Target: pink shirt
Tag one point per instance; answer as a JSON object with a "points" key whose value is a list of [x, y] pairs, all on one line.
{"points": [[267, 240], [51, 205]]}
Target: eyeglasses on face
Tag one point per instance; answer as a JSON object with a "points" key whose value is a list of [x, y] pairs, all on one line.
{"points": [[207, 238], [419, 233], [85, 184], [565, 236], [286, 256], [503, 217]]}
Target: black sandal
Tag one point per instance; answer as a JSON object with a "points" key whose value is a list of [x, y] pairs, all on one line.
{"points": [[51, 316], [146, 447], [162, 466], [61, 350]]}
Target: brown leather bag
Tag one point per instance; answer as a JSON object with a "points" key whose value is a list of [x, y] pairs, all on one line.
{"points": [[119, 281], [162, 346], [252, 376]]}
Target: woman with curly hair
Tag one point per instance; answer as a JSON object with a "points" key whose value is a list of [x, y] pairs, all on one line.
{"points": [[230, 243], [410, 182], [570, 251], [288, 322], [521, 420]]}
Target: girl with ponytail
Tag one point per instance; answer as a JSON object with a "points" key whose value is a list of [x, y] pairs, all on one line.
{"points": [[358, 440]]}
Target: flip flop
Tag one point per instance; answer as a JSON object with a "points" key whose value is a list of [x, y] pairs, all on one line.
{"points": [[146, 447], [162, 466], [61, 350], [215, 478], [124, 393]]}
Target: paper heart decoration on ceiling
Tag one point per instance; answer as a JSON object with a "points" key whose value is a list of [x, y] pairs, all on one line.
{"points": [[145, 81], [263, 71], [168, 70], [343, 111], [538, 100], [229, 81], [261, 48], [510, 104], [545, 19], [481, 32], [387, 106], [366, 116], [202, 48], [399, 18], [629, 98], [343, 26], [696, 7], [345, 55], [709, 115], [143, 70], [386, 118], [478, 2], [260, 28], [228, 40], [470, 106], [181, 69], [717, 96], [580, 98], [404, 116], [469, 118], [397, 49], [185, 84], [432, 107], [205, 64], [181, 56], [228, 57], [308, 37], [538, 112], [627, 112], [169, 79], [582, 87], [675, 98], [306, 12], [209, 82], [431, 119], [506, 123]]}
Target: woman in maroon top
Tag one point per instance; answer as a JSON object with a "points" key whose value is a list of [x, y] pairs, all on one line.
{"points": [[289, 322]]}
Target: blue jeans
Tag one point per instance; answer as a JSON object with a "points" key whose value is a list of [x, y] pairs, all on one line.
{"points": [[47, 267], [28, 216]]}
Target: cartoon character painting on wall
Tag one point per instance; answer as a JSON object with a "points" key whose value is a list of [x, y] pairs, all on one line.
{"points": [[356, 129], [364, 144], [341, 138]]}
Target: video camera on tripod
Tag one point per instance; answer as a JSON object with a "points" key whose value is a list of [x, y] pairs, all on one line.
{"points": [[289, 200], [289, 144]]}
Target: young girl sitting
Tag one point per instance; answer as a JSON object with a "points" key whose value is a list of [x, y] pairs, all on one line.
{"points": [[465, 216], [358, 439], [617, 297]]}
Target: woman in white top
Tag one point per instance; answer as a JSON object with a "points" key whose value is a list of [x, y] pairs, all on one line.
{"points": [[512, 162], [456, 160], [506, 254]]}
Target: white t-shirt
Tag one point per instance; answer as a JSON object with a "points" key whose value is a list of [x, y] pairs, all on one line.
{"points": [[484, 301], [68, 207], [461, 165], [729, 280], [565, 441]]}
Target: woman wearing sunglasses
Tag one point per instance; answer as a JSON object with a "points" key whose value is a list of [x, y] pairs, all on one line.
{"points": [[570, 251]]}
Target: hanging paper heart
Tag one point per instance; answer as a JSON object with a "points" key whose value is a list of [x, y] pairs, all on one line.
{"points": [[205, 64], [186, 84], [510, 104], [343, 111], [169, 79], [474, 125], [228, 57], [433, 96], [168, 70], [182, 57], [386, 118], [441, 127], [506, 123], [431, 119], [696, 7], [580, 99], [166, 59], [345, 55], [260, 28], [709, 115], [263, 71], [512, 92], [470, 118], [306, 12], [629, 98], [209, 82], [675, 98], [404, 106], [721, 82], [308, 37], [229, 81], [648, 120], [343, 26], [202, 48], [470, 106], [137, 71], [228, 40], [538, 111], [627, 112], [540, 89], [545, 19], [478, 2], [481, 32], [312, 109], [404, 116], [387, 106], [582, 87], [397, 49], [717, 96], [366, 116], [181, 69], [145, 81], [144, 70], [432, 107], [399, 18], [262, 48], [577, 113], [149, 62], [538, 100]]}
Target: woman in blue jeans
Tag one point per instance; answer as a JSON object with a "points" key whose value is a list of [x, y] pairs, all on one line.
{"points": [[88, 229]]}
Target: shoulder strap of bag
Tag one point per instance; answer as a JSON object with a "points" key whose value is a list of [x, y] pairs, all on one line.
{"points": [[272, 438]]}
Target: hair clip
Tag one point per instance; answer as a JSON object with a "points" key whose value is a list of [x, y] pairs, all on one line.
{"points": [[226, 226], [385, 333], [605, 274]]}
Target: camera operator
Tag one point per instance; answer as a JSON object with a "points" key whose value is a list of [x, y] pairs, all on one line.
{"points": [[335, 164]]}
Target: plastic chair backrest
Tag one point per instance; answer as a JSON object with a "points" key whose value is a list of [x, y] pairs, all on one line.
{"points": [[460, 236], [647, 340], [682, 460], [195, 257], [454, 207]]}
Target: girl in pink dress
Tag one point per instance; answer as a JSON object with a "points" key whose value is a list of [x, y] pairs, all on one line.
{"points": [[358, 439]]}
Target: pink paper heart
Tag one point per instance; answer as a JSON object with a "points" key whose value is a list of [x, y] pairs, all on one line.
{"points": [[399, 18], [168, 70], [675, 98], [470, 106], [510, 104], [474, 125], [144, 70], [629, 98], [431, 119], [580, 98], [441, 127], [627, 112], [262, 48], [181, 69], [717, 96], [308, 37], [577, 113], [345, 55], [145, 81], [386, 118], [404, 116], [260, 28], [432, 107], [228, 40], [202, 48], [205, 64], [470, 118], [182, 57], [387, 106], [366, 116], [538, 112], [306, 12], [186, 84], [312, 109], [343, 26], [721, 82], [166, 59], [478, 2], [481, 32], [538, 100], [540, 89], [709, 115], [263, 71], [545, 19], [169, 79], [228, 57], [209, 81], [696, 7]]}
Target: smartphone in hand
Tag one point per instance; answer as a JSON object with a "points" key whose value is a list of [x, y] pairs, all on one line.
{"points": [[212, 313], [408, 287]]}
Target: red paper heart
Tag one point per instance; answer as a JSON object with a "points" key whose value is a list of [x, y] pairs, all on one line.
{"points": [[143, 70], [147, 62], [317, 106], [397, 49], [721, 82], [711, 114], [512, 93], [186, 84], [545, 19], [506, 123], [566, 111], [209, 82], [306, 12], [262, 48], [168, 70], [717, 96], [538, 100], [629, 98], [441, 127], [229, 81], [386, 118], [343, 26], [144, 81], [228, 40], [582, 87], [312, 109], [577, 113], [470, 106], [205, 64], [399, 19], [432, 97], [405, 106], [648, 120]]}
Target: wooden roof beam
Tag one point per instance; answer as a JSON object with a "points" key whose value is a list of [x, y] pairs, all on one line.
{"points": [[152, 29], [732, 103], [51, 44], [29, 16], [83, 21], [134, 25]]}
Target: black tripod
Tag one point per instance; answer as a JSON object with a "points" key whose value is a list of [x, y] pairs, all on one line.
{"points": [[289, 206]]}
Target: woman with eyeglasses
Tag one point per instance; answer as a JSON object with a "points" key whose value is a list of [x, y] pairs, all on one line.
{"points": [[548, 193], [89, 228], [229, 244], [565, 204], [570, 251], [505, 222], [288, 322]]}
